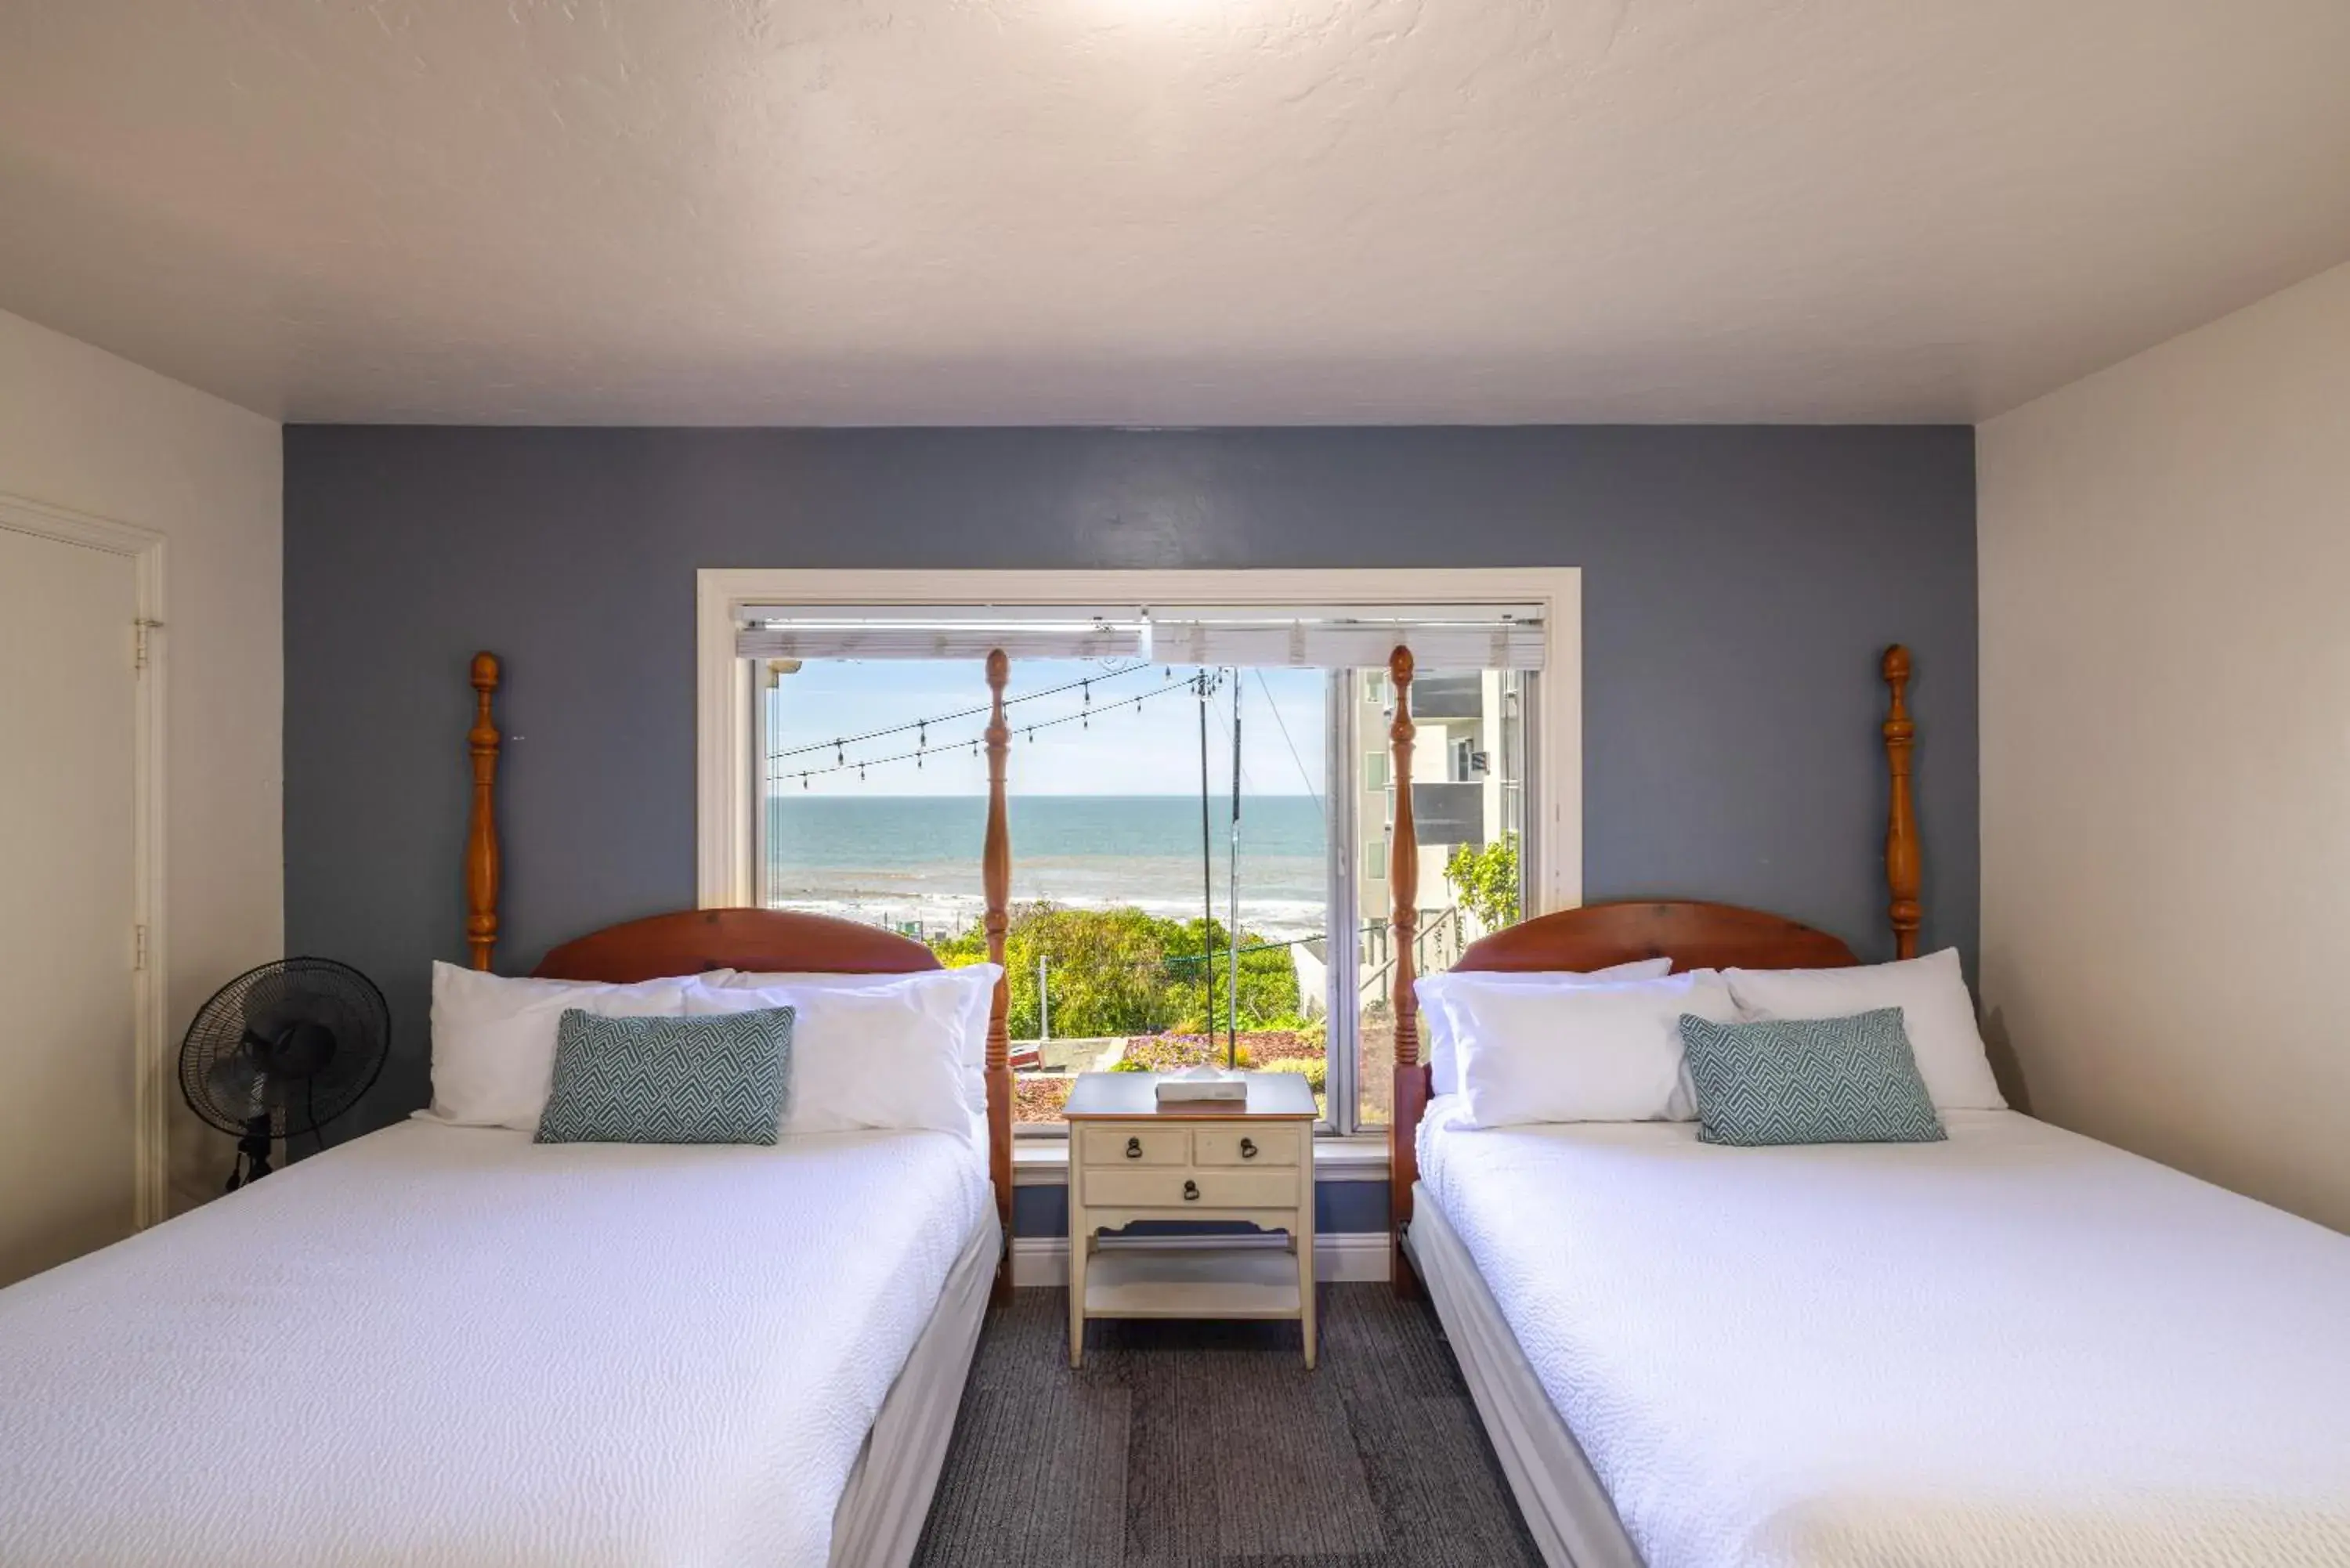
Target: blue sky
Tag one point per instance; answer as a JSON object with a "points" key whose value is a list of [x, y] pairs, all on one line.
{"points": [[1123, 750]]}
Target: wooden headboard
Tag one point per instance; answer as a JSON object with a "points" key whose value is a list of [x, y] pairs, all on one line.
{"points": [[1693, 935], [694, 942]]}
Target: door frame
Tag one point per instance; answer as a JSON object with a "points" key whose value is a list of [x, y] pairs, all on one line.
{"points": [[153, 1072]]}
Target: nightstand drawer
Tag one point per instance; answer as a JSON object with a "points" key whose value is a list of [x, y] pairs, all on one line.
{"points": [[1250, 1147], [1119, 1146], [1108, 1189]]}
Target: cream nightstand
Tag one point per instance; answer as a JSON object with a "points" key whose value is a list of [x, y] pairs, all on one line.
{"points": [[1129, 1160]]}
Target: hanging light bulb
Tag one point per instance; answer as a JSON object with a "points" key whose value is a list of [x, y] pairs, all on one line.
{"points": [[839, 755]]}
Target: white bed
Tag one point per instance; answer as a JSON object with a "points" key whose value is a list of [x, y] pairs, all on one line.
{"points": [[450, 1347], [2019, 1347]]}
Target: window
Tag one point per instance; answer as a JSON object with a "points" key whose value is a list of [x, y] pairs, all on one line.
{"points": [[1150, 929], [1468, 790]]}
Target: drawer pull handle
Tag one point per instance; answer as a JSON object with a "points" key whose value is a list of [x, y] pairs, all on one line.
{"points": [[1248, 1149], [1190, 1192], [1134, 1148]]}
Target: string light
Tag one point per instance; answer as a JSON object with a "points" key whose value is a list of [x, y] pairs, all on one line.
{"points": [[838, 743], [921, 727]]}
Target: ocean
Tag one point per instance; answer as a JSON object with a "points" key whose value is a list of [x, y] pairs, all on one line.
{"points": [[906, 860]]}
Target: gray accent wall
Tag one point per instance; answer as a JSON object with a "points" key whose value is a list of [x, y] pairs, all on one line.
{"points": [[1738, 586]]}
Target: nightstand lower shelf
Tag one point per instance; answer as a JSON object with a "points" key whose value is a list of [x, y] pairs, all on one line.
{"points": [[1192, 1282]]}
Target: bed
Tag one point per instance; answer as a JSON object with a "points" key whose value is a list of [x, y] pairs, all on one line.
{"points": [[2017, 1347], [450, 1345]]}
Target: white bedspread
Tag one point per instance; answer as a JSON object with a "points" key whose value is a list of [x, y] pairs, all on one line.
{"points": [[445, 1346], [2018, 1347]]}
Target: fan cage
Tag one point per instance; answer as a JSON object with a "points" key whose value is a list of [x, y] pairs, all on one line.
{"points": [[272, 995]]}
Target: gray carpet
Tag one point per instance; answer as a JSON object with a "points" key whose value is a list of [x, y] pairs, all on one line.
{"points": [[1207, 1445]]}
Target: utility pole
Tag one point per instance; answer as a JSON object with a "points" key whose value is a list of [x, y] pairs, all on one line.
{"points": [[1207, 871], [1232, 888]]}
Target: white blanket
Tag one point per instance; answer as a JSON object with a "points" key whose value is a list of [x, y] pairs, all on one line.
{"points": [[444, 1346], [2018, 1347]]}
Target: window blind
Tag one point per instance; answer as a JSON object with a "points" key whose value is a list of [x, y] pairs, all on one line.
{"points": [[1329, 637], [1325, 637], [932, 631]]}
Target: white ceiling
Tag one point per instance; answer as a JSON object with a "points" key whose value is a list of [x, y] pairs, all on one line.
{"points": [[1160, 212]]}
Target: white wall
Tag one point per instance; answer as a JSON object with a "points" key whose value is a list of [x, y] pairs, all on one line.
{"points": [[83, 429], [2165, 575]]}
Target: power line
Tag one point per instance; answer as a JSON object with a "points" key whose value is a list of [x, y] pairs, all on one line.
{"points": [[1303, 776]]}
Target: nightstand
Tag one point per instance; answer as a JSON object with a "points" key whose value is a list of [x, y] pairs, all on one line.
{"points": [[1129, 1161]]}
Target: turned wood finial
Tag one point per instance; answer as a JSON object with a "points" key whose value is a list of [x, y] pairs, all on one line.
{"points": [[995, 875], [1902, 859], [482, 859]]}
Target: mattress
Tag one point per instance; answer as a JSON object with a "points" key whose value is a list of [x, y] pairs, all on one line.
{"points": [[445, 1346], [2017, 1347]]}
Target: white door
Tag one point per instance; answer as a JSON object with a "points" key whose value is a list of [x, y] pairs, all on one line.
{"points": [[68, 1029]]}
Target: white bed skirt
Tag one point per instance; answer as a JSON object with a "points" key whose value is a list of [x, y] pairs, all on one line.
{"points": [[1566, 1510], [879, 1521]]}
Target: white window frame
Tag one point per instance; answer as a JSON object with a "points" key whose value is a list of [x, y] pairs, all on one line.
{"points": [[727, 784]]}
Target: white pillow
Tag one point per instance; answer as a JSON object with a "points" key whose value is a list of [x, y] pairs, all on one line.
{"points": [[493, 1039], [1439, 1029], [1936, 1012], [889, 1055], [1580, 1054], [972, 984]]}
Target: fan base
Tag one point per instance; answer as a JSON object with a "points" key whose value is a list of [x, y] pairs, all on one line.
{"points": [[252, 1155]]}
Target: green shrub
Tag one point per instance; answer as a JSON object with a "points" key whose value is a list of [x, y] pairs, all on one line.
{"points": [[1123, 971], [1486, 881], [1315, 1071]]}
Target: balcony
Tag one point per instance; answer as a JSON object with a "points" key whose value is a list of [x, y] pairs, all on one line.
{"points": [[1448, 697], [1449, 814]]}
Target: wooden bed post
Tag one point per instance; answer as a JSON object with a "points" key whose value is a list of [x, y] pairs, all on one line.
{"points": [[1411, 1077], [1901, 855], [995, 869], [482, 830]]}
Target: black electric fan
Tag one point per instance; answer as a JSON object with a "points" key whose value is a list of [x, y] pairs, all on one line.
{"points": [[280, 1051]]}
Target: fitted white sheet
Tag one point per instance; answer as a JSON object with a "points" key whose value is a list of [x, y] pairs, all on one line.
{"points": [[447, 1346], [2018, 1347]]}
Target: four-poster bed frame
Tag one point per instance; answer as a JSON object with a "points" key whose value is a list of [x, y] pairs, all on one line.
{"points": [[692, 942], [1592, 937], [1693, 935]]}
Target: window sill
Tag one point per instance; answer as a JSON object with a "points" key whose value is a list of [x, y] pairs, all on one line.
{"points": [[1044, 1162]]}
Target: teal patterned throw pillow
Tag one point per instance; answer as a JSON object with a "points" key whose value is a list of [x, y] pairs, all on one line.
{"points": [[669, 1080], [1808, 1080]]}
